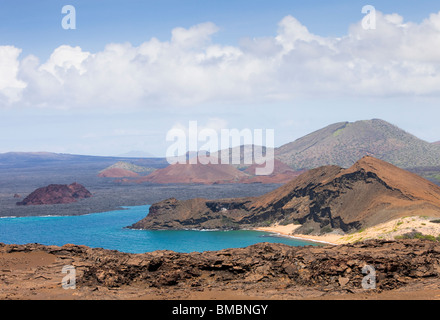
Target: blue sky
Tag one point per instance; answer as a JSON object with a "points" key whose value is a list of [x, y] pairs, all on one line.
{"points": [[34, 26], [132, 70]]}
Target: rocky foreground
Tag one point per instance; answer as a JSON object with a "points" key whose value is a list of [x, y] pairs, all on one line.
{"points": [[406, 269]]}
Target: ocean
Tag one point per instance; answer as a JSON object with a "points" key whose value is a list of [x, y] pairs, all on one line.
{"points": [[108, 230]]}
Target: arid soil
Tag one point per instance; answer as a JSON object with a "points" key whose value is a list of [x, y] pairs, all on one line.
{"points": [[404, 269]]}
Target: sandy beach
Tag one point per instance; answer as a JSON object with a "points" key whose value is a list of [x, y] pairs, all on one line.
{"points": [[289, 231], [386, 231]]}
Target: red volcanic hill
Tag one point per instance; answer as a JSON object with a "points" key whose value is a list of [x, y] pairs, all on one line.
{"points": [[282, 173], [56, 194], [117, 173], [195, 173], [218, 173]]}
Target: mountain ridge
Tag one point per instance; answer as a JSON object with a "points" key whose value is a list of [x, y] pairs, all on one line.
{"points": [[343, 143], [366, 194]]}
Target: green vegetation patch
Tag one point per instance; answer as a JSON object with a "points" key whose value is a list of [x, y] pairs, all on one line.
{"points": [[327, 229], [286, 222], [417, 235], [338, 132], [131, 167]]}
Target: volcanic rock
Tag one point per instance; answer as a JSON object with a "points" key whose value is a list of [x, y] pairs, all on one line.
{"points": [[56, 194], [265, 269], [368, 193]]}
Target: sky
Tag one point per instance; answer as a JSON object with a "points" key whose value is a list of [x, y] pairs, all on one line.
{"points": [[130, 71]]}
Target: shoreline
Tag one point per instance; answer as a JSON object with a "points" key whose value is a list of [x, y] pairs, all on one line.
{"points": [[299, 238], [384, 231], [286, 231], [390, 230]]}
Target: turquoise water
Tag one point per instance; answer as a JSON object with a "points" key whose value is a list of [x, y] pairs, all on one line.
{"points": [[107, 230]]}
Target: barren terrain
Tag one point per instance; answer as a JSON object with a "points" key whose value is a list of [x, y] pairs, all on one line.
{"points": [[406, 269]]}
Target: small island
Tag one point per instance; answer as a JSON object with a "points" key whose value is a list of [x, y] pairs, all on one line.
{"points": [[56, 194]]}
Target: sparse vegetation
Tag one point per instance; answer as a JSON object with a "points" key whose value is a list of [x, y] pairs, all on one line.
{"points": [[267, 223], [340, 143], [337, 132], [327, 229], [417, 235], [131, 167], [286, 222], [229, 223]]}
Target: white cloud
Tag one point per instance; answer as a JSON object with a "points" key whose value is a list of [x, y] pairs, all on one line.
{"points": [[398, 58], [291, 32], [215, 124], [10, 85], [64, 59], [194, 36]]}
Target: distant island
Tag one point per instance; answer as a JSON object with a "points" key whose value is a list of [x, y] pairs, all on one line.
{"points": [[56, 194]]}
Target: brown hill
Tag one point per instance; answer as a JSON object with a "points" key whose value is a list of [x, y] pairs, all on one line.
{"points": [[117, 173], [195, 173], [56, 194], [282, 173], [278, 168], [217, 173], [344, 143], [368, 193]]}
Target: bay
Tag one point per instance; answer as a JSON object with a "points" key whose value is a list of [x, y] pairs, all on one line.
{"points": [[108, 230]]}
